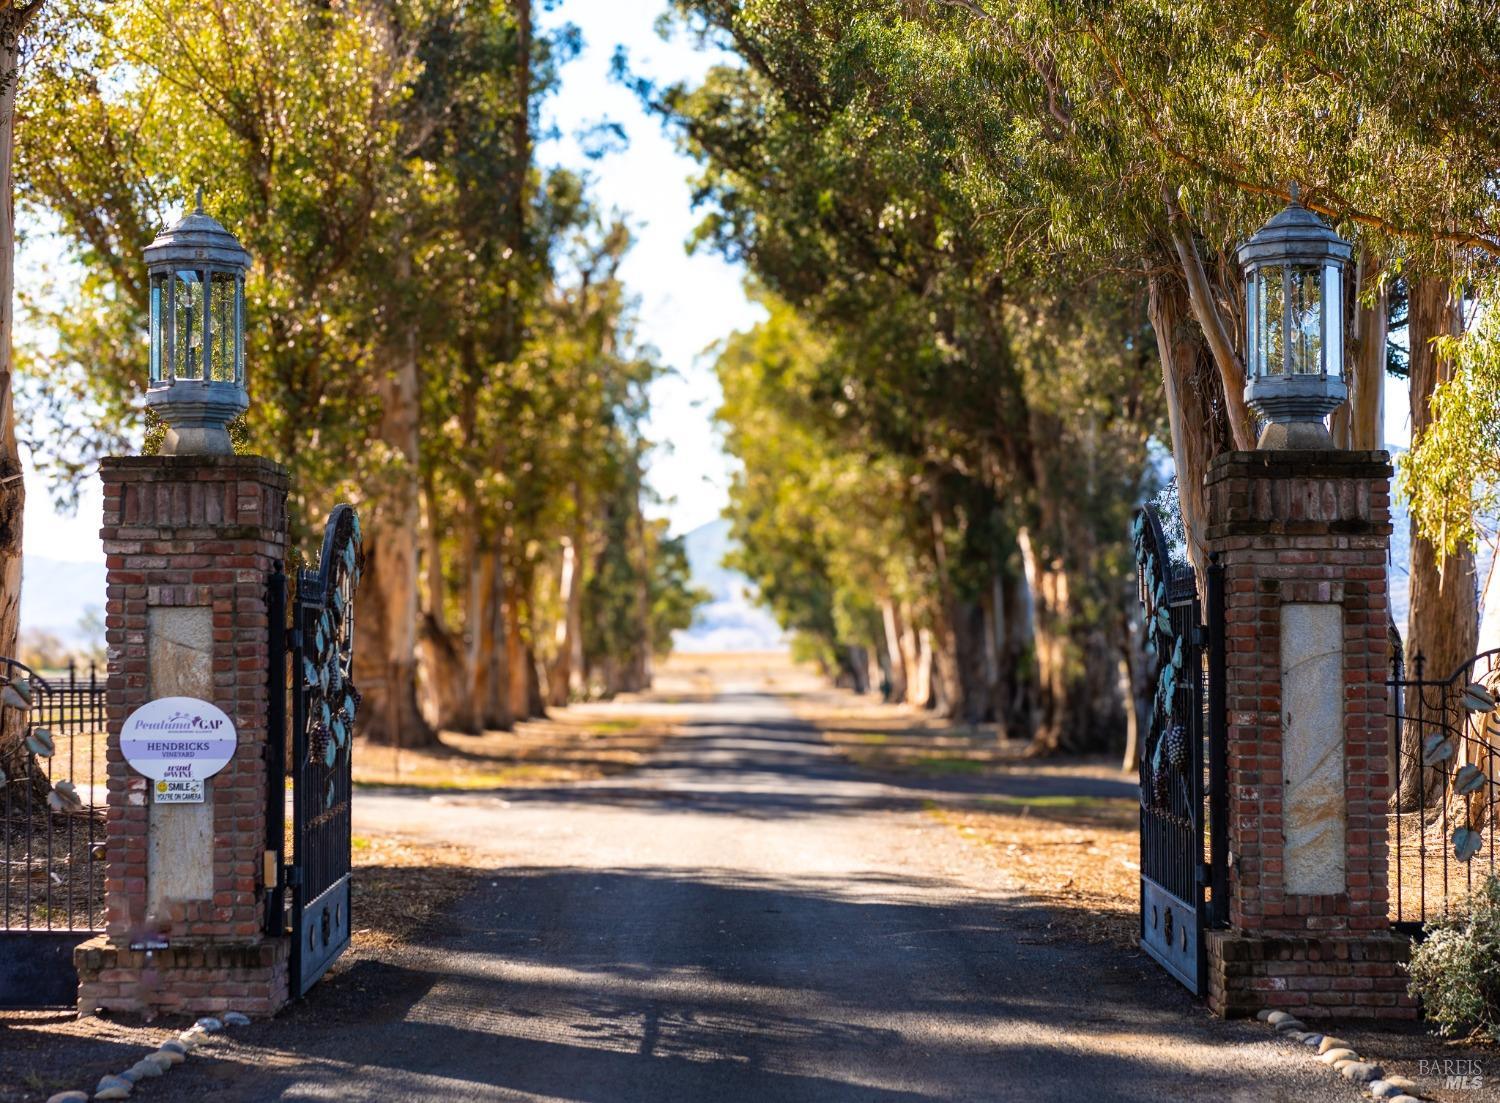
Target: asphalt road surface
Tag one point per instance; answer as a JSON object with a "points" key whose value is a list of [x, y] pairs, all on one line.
{"points": [[747, 919]]}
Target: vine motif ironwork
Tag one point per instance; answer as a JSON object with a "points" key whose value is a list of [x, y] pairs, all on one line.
{"points": [[327, 599], [1165, 756]]}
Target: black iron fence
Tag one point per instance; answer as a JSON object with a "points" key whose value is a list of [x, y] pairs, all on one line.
{"points": [[1444, 742], [52, 802]]}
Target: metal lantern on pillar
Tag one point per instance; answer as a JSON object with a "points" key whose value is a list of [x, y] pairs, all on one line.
{"points": [[197, 272], [1294, 323]]}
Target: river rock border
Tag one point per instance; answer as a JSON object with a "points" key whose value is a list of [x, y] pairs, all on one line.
{"points": [[167, 1056], [1340, 1057]]}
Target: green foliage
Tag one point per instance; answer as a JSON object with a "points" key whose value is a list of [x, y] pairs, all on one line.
{"points": [[1455, 970], [1452, 472]]}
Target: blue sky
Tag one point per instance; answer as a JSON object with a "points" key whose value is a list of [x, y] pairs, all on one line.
{"points": [[687, 303]]}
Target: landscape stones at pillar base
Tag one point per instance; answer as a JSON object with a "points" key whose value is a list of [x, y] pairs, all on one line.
{"points": [[113, 1087], [1361, 1072], [69, 1097], [1331, 1042], [1333, 1056]]}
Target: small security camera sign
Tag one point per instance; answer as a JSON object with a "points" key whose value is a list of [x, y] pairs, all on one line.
{"points": [[189, 791], [178, 739]]}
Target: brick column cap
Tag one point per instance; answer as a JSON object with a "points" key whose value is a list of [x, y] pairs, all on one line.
{"points": [[1333, 463], [187, 468]]}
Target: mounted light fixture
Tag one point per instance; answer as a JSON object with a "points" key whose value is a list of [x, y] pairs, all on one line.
{"points": [[197, 272], [1294, 326]]}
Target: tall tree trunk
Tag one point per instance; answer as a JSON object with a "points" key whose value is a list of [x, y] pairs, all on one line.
{"points": [[1443, 621], [895, 656], [1366, 403], [385, 624], [14, 759], [489, 686], [445, 674], [1194, 407], [565, 677], [1019, 646]]}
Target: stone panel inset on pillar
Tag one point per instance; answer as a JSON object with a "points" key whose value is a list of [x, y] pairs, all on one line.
{"points": [[1312, 748], [180, 837]]}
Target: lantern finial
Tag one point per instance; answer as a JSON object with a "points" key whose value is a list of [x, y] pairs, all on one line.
{"points": [[197, 382]]}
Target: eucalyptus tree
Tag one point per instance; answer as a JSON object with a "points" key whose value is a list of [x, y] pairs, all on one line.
{"points": [[15, 20], [854, 203]]}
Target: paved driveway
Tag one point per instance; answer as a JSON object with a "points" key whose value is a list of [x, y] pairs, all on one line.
{"points": [[747, 919]]}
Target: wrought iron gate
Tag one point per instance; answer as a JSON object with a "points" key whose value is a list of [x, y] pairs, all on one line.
{"points": [[1184, 834], [51, 834], [312, 903]]}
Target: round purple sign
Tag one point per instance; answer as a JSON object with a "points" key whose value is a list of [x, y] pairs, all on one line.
{"points": [[178, 739]]}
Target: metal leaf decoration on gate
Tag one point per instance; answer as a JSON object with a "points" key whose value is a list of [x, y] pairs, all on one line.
{"points": [[328, 658], [1164, 755]]}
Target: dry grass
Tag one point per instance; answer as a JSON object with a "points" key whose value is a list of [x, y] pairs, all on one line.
{"points": [[400, 886], [1076, 856], [567, 747], [902, 740], [1425, 877]]}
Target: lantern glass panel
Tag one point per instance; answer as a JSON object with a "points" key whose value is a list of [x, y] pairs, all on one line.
{"points": [[1333, 329], [239, 327], [158, 326], [1306, 321], [188, 318], [224, 317], [1271, 353]]}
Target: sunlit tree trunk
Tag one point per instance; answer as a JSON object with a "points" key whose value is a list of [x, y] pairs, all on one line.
{"points": [[1368, 355], [14, 759], [1443, 619], [1194, 413], [895, 658], [564, 679], [385, 624], [445, 673]]}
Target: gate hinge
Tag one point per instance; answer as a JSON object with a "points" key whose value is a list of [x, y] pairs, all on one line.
{"points": [[293, 876]]}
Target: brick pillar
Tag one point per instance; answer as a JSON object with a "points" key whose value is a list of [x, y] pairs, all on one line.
{"points": [[1303, 537], [191, 542]]}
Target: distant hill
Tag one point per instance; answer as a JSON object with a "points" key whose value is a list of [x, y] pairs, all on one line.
{"points": [[731, 621], [56, 593]]}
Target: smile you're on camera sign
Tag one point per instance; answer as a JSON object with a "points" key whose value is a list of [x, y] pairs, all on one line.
{"points": [[178, 742]]}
